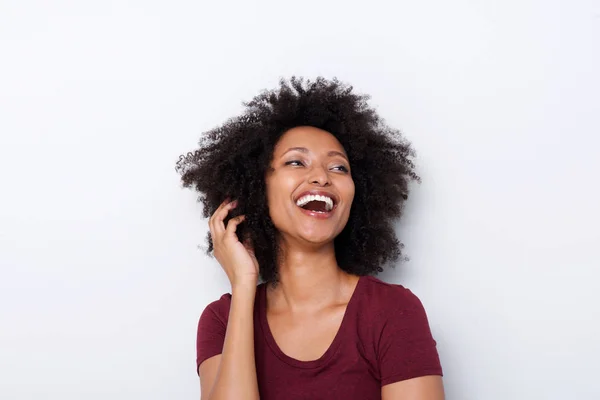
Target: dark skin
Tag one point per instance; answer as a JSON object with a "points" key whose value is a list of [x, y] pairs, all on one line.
{"points": [[313, 291], [232, 159], [305, 309]]}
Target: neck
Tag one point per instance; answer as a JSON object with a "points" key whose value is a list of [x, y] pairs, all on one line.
{"points": [[309, 279]]}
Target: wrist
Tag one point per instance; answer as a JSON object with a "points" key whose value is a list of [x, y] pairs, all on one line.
{"points": [[245, 286]]}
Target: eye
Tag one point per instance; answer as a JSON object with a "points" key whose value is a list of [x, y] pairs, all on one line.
{"points": [[294, 162], [341, 168]]}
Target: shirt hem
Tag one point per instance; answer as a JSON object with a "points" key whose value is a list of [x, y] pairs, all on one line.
{"points": [[415, 374]]}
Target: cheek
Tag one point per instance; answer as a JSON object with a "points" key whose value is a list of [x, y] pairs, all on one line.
{"points": [[282, 186], [275, 190], [278, 197], [349, 192]]}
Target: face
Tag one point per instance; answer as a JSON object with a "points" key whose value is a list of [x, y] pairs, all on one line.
{"points": [[309, 187]]}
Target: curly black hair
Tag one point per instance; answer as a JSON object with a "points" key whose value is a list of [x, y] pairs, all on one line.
{"points": [[232, 160]]}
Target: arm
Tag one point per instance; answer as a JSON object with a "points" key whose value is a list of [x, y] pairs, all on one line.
{"points": [[422, 388], [232, 374]]}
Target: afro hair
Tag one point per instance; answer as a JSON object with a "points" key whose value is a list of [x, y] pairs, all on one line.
{"points": [[233, 158]]}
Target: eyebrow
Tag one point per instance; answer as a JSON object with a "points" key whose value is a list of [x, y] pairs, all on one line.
{"points": [[305, 150]]}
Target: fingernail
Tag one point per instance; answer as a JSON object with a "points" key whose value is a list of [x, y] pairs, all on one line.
{"points": [[234, 203]]}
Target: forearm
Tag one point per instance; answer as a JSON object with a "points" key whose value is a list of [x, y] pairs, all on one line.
{"points": [[236, 376]]}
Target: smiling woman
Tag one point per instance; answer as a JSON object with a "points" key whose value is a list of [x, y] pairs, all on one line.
{"points": [[302, 190], [313, 180]]}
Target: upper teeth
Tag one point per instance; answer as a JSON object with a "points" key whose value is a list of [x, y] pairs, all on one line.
{"points": [[308, 198]]}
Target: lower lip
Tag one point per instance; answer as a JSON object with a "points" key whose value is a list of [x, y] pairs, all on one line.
{"points": [[319, 215]]}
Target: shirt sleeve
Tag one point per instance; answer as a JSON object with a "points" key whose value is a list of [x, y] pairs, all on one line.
{"points": [[406, 347], [211, 329]]}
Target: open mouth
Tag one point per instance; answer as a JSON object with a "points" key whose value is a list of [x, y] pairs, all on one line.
{"points": [[317, 203]]}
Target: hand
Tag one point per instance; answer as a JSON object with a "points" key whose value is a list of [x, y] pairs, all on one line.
{"points": [[236, 259]]}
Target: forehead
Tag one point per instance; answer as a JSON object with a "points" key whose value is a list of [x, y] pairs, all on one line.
{"points": [[314, 139]]}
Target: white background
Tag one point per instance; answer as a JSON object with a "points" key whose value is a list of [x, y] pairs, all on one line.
{"points": [[101, 280]]}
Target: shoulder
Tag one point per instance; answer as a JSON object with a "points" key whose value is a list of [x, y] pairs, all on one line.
{"points": [[220, 307], [389, 307], [215, 314], [211, 329], [400, 335], [389, 298]]}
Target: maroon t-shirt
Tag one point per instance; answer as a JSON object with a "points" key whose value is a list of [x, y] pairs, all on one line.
{"points": [[384, 337]]}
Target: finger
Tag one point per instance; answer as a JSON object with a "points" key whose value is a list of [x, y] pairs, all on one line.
{"points": [[233, 223], [218, 225], [220, 207], [226, 201]]}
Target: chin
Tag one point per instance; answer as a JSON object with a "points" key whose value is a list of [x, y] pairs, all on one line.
{"points": [[317, 238]]}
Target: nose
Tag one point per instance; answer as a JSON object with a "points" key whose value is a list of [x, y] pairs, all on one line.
{"points": [[318, 175]]}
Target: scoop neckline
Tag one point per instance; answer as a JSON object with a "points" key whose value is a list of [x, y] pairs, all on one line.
{"points": [[268, 335]]}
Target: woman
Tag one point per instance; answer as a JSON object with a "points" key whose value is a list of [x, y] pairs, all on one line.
{"points": [[302, 191]]}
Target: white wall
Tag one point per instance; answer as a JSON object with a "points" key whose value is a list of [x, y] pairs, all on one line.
{"points": [[101, 282]]}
